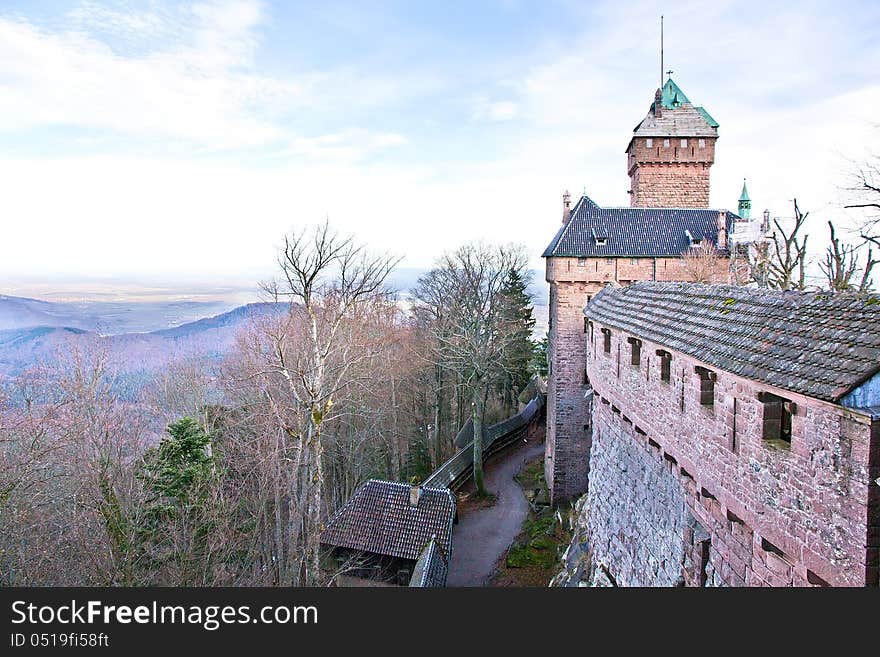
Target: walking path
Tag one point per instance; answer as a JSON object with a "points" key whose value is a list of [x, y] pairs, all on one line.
{"points": [[482, 536]]}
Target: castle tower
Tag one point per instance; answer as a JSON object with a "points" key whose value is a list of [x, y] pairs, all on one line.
{"points": [[744, 208], [669, 156], [671, 152]]}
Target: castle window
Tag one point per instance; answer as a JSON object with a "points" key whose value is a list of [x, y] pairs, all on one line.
{"points": [[636, 351], [600, 241], [582, 262], [606, 333], [586, 322], [609, 261], [649, 142], [707, 385], [777, 417], [665, 365], [702, 143], [684, 143], [633, 261], [666, 143]]}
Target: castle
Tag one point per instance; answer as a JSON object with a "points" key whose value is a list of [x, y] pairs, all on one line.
{"points": [[731, 435], [669, 159]]}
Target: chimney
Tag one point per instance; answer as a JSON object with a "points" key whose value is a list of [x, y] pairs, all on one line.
{"points": [[722, 230], [765, 224], [658, 104], [566, 207], [415, 492]]}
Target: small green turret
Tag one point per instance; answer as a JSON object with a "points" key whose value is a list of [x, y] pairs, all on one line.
{"points": [[745, 203]]}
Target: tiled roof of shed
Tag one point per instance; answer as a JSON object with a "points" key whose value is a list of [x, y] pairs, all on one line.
{"points": [[431, 568], [633, 232], [815, 344], [379, 519]]}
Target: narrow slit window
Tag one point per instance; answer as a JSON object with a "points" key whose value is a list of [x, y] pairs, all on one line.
{"points": [[707, 385], [606, 334], [777, 417], [665, 365], [635, 351]]}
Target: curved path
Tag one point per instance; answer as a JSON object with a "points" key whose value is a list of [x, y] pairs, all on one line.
{"points": [[482, 536]]}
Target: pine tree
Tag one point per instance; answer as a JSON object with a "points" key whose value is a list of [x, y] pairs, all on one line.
{"points": [[518, 361]]}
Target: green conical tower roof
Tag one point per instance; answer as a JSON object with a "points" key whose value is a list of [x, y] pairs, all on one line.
{"points": [[745, 203], [673, 96]]}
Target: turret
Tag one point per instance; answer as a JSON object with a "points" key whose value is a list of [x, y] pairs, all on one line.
{"points": [[744, 209]]}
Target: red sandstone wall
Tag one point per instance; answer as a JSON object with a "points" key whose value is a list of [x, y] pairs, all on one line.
{"points": [[771, 515], [568, 441], [672, 185], [572, 281]]}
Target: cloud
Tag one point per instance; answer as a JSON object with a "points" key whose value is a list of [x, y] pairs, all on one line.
{"points": [[194, 90], [502, 110]]}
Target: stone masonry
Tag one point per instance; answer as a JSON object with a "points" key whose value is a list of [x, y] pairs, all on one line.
{"points": [[573, 282], [668, 160], [682, 493]]}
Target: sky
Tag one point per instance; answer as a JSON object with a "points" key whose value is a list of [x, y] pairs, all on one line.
{"points": [[181, 140]]}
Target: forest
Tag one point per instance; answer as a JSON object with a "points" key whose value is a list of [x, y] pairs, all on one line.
{"points": [[348, 381]]}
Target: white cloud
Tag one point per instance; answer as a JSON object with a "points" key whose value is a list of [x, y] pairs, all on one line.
{"points": [[558, 117]]}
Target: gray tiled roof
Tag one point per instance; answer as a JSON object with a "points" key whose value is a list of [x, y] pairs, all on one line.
{"points": [[812, 343], [684, 121], [633, 232], [431, 568], [379, 519]]}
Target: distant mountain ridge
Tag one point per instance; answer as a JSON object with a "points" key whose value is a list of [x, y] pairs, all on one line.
{"points": [[105, 317], [206, 338]]}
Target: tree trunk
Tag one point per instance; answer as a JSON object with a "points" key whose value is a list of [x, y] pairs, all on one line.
{"points": [[478, 440]]}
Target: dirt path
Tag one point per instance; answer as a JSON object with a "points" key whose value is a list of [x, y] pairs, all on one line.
{"points": [[482, 536]]}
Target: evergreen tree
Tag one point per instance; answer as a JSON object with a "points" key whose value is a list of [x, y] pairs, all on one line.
{"points": [[519, 354], [179, 477]]}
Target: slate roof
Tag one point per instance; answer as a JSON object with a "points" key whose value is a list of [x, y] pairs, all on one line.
{"points": [[633, 232], [431, 568], [812, 343], [678, 117], [379, 519]]}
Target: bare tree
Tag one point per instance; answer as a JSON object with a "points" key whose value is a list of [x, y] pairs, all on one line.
{"points": [[701, 262], [479, 328], [841, 264], [865, 195], [788, 257], [328, 281]]}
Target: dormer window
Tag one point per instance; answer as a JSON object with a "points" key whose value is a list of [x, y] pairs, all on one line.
{"points": [[693, 241], [600, 241]]}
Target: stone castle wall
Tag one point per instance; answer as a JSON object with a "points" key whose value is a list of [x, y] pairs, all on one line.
{"points": [[670, 185], [568, 419], [685, 493], [573, 281]]}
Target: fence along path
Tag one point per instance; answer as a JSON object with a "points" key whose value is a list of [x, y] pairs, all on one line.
{"points": [[459, 468]]}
